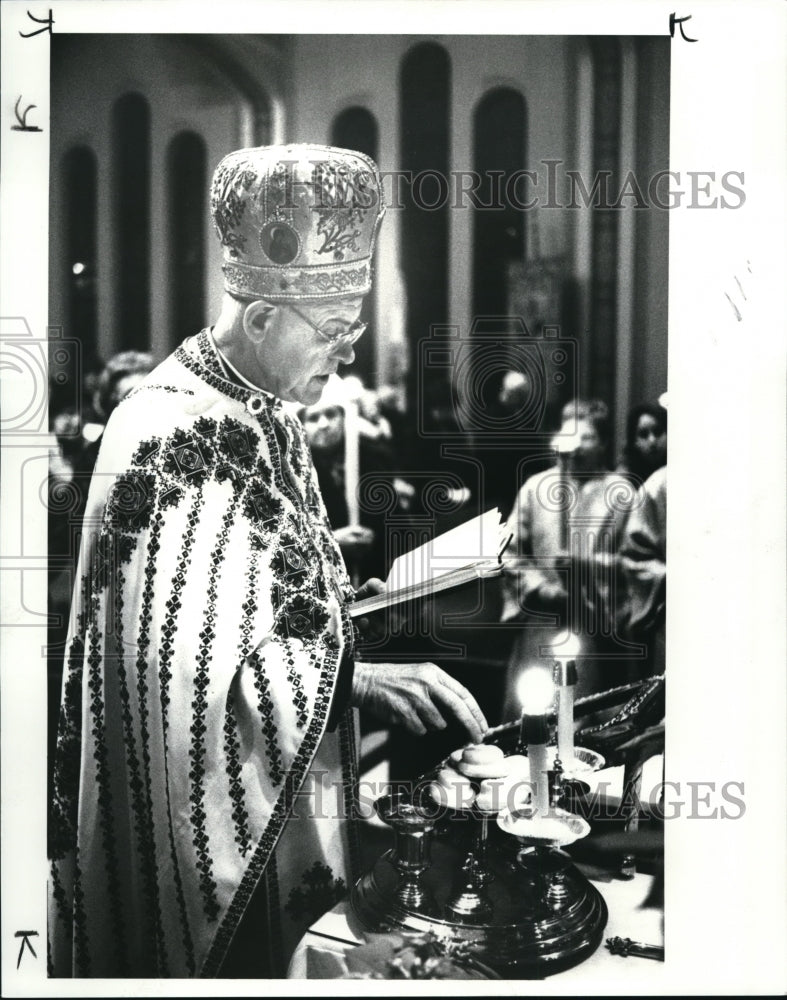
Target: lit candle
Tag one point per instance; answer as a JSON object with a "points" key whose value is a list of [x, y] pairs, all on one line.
{"points": [[565, 651], [566, 679], [536, 691], [535, 734]]}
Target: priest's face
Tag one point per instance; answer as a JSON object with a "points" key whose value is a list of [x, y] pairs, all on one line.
{"points": [[296, 354]]}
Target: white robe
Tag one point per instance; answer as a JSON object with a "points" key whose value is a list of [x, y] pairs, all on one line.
{"points": [[206, 633], [597, 505], [643, 553]]}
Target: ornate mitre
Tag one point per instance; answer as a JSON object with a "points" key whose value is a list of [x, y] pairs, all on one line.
{"points": [[297, 221]]}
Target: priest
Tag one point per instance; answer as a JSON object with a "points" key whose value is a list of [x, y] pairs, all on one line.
{"points": [[204, 776]]}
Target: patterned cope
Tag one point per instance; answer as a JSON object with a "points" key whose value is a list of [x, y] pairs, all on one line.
{"points": [[206, 634]]}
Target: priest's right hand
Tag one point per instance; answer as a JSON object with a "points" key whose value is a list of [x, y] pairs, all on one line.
{"points": [[371, 629], [418, 696]]}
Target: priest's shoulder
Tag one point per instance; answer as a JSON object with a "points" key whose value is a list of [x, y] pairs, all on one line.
{"points": [[156, 409]]}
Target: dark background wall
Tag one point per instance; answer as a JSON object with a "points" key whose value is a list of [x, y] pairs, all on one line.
{"points": [[139, 123]]}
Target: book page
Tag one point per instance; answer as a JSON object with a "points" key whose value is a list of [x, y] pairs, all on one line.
{"points": [[471, 542]]}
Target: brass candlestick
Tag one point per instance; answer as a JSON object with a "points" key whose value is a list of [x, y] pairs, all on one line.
{"points": [[469, 903], [514, 899], [410, 855]]}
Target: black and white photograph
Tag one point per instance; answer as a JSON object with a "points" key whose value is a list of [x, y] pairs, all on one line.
{"points": [[340, 345]]}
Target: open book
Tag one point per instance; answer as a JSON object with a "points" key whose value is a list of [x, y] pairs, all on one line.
{"points": [[469, 551]]}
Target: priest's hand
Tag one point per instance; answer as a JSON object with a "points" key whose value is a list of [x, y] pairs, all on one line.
{"points": [[418, 696], [373, 586], [371, 629]]}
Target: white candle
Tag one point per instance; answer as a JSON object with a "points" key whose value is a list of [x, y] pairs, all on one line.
{"points": [[535, 733], [565, 650], [537, 692], [566, 679], [351, 461]]}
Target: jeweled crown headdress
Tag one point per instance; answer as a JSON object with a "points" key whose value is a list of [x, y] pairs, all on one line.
{"points": [[297, 221]]}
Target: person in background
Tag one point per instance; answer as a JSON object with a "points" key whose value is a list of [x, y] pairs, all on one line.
{"points": [[641, 559], [121, 375], [374, 424], [391, 405], [645, 449], [643, 562], [565, 524], [577, 409], [507, 440], [78, 435], [363, 545]]}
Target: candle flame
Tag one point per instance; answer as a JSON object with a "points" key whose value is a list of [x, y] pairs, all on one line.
{"points": [[536, 691], [566, 646]]}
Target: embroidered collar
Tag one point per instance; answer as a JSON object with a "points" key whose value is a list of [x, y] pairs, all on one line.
{"points": [[200, 355]]}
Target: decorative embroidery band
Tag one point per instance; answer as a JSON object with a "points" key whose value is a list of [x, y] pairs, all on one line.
{"points": [[281, 810], [278, 284]]}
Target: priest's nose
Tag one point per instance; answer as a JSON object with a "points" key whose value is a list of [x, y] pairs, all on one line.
{"points": [[344, 352]]}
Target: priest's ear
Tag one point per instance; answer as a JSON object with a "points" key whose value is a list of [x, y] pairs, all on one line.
{"points": [[257, 318]]}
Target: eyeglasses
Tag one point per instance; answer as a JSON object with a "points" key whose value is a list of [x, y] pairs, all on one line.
{"points": [[333, 331]]}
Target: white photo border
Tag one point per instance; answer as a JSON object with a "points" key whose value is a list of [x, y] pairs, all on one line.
{"points": [[726, 881]]}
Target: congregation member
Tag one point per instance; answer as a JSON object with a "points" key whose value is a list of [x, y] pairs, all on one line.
{"points": [[566, 524]]}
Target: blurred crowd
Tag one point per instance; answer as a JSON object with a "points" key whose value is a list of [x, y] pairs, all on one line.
{"points": [[588, 546]]}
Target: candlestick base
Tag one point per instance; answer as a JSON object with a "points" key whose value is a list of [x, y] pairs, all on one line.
{"points": [[526, 912], [411, 853], [469, 904]]}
